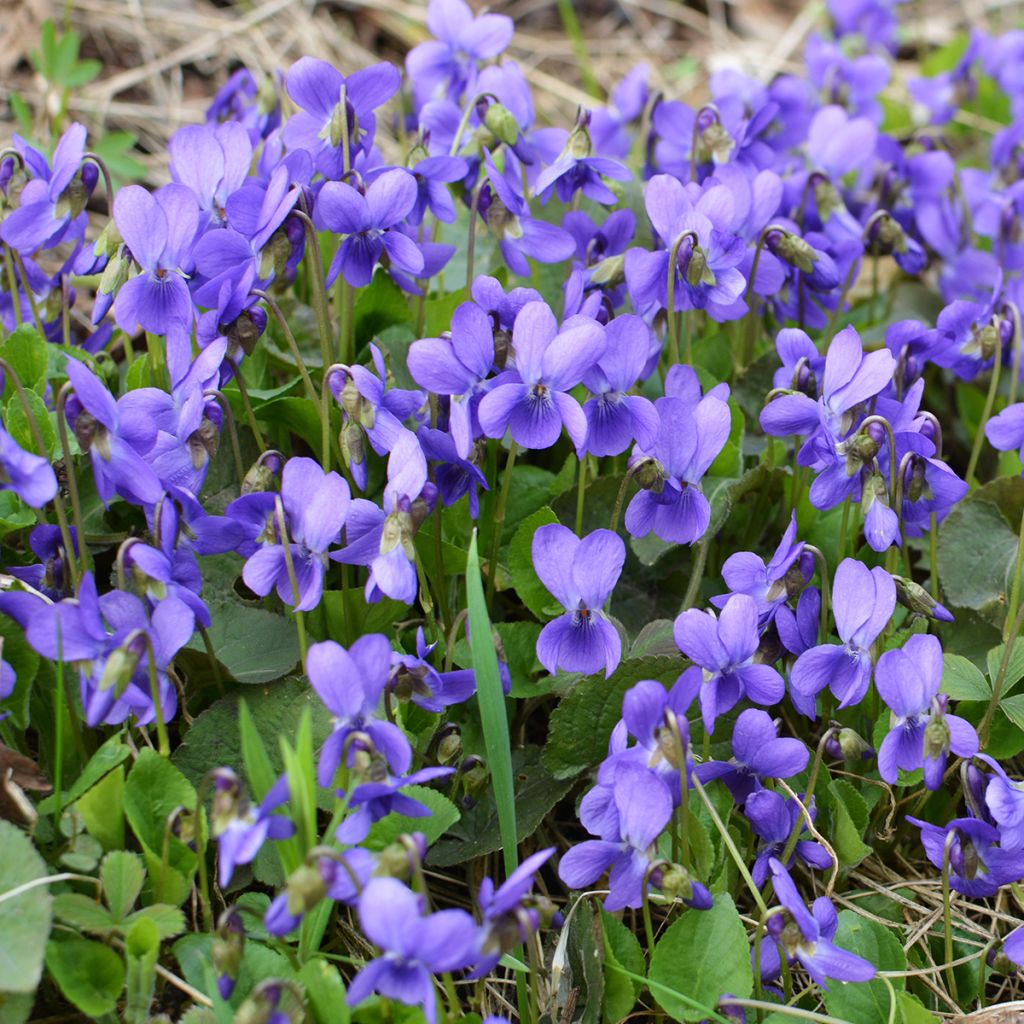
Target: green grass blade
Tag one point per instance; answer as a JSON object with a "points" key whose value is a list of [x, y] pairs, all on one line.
{"points": [[491, 699]]}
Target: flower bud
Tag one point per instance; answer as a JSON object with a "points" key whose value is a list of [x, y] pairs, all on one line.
{"points": [[610, 272], [501, 123], [115, 273], [848, 745], [792, 249], [109, 240], [676, 882], [914, 597], [651, 476], [449, 749], [260, 477], [122, 664], [227, 949], [305, 888]]}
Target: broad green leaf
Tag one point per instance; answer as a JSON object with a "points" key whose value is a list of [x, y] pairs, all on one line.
{"points": [[141, 951], [25, 919], [704, 954], [963, 680], [102, 810], [1013, 708], [848, 808], [122, 875], [325, 991], [380, 305], [975, 548], [22, 428], [14, 515], [193, 955], [914, 1012], [155, 790], [443, 814], [1014, 668], [169, 921], [580, 726], [620, 947], [524, 577], [23, 659], [83, 912], [519, 640], [867, 1002], [26, 351], [90, 974], [478, 830]]}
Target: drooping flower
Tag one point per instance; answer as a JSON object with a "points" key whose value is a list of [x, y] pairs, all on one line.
{"points": [[772, 819], [978, 865], [29, 476], [580, 574], [414, 678]]}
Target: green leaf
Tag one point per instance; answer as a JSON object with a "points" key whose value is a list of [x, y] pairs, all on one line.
{"points": [[26, 351], [1013, 708], [112, 753], [622, 948], [89, 974], [25, 919], [141, 950], [963, 680], [379, 305], [1014, 668], [443, 814], [102, 810], [21, 429], [258, 768], [325, 991], [493, 715], [519, 639], [580, 726], [14, 515], [524, 577], [704, 953], [914, 1012], [169, 921], [975, 548], [23, 659], [193, 955], [155, 789], [848, 808], [83, 912], [122, 875], [478, 830], [866, 1002]]}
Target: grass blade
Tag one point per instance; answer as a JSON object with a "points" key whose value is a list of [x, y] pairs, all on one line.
{"points": [[493, 716]]}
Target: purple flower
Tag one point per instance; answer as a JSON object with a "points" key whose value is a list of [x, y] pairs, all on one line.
{"points": [[1004, 800], [31, 477], [863, 601], [114, 435], [213, 161], [806, 936], [978, 865], [458, 367], [1006, 431], [446, 66], [533, 404], [692, 431], [49, 209], [366, 222], [315, 505], [772, 819], [645, 716], [414, 678], [575, 169], [722, 650], [332, 107], [798, 630], [628, 816], [241, 99], [758, 752], [416, 946], [351, 684], [433, 175], [455, 476], [615, 418], [921, 733], [581, 575], [769, 585], [159, 229], [504, 208], [708, 254], [246, 828]]}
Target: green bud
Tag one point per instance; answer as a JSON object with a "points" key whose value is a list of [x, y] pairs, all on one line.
{"points": [[915, 598], [449, 750], [852, 744], [260, 477], [500, 121], [228, 944], [122, 664], [610, 272], [109, 240], [651, 476], [936, 737], [676, 882], [115, 273], [796, 252], [305, 888], [579, 145]]}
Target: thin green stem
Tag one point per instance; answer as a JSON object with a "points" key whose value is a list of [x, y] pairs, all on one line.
{"points": [[320, 301], [812, 779], [990, 398], [621, 496], [819, 557], [164, 744], [300, 618], [232, 429], [947, 921], [76, 503], [684, 789], [293, 345], [697, 572], [499, 522], [572, 28], [670, 311], [250, 415], [581, 491], [1018, 565]]}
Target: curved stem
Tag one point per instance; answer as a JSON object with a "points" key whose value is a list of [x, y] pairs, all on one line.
{"points": [[862, 429], [684, 789], [300, 618], [670, 312], [293, 346], [812, 779], [1017, 342], [154, 691], [98, 161], [990, 398], [697, 572], [819, 557], [474, 208], [947, 923], [76, 504], [464, 121], [320, 304], [621, 496], [997, 683], [250, 416]]}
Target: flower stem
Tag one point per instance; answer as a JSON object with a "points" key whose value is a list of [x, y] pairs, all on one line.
{"points": [[581, 490], [76, 504], [684, 791], [499, 522], [819, 557], [1011, 611], [300, 618], [154, 690], [947, 923], [990, 398], [670, 310], [697, 573], [812, 779]]}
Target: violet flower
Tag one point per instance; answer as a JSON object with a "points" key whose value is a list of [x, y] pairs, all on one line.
{"points": [[351, 684], [722, 649], [212, 161], [534, 405], [581, 575], [241, 833], [416, 946], [921, 734], [628, 826], [863, 601], [414, 678], [772, 819], [758, 752], [978, 865], [1004, 800], [456, 477], [315, 505], [366, 222], [1006, 430], [616, 418], [29, 476], [806, 936], [458, 367]]}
